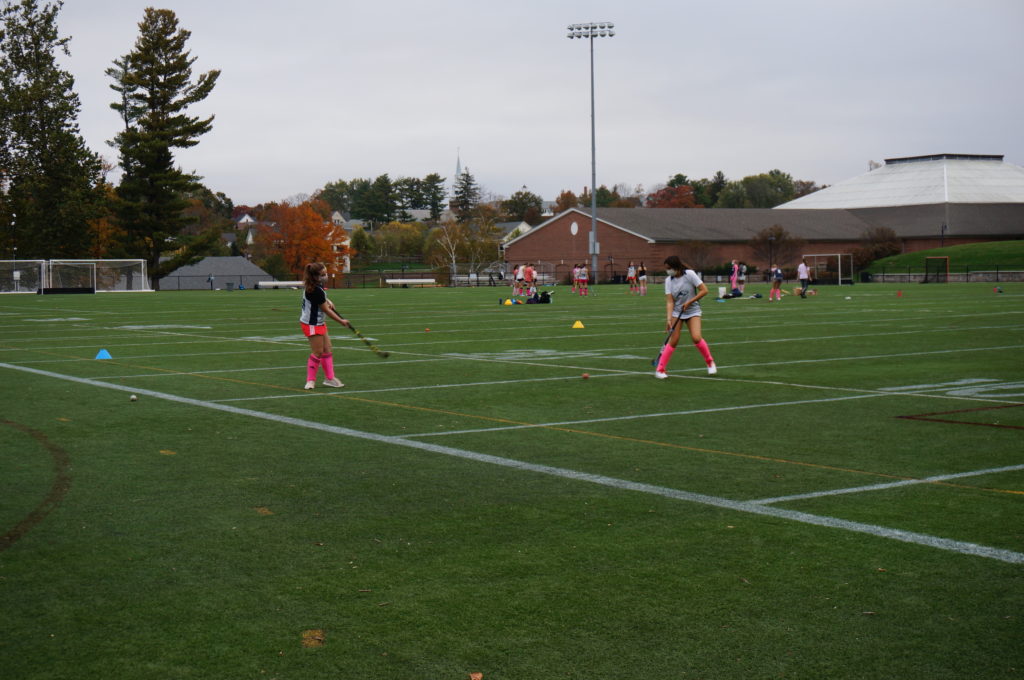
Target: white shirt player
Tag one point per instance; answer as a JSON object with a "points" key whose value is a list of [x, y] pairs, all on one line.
{"points": [[682, 288]]}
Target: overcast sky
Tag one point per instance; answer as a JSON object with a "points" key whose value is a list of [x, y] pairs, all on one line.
{"points": [[312, 91]]}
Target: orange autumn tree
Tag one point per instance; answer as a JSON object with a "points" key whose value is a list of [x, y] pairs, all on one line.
{"points": [[673, 197], [299, 235]]}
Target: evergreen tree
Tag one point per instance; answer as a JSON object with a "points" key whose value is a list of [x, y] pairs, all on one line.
{"points": [[337, 196], [381, 201], [466, 197], [359, 198], [156, 88], [409, 192], [715, 188], [433, 195], [51, 182]]}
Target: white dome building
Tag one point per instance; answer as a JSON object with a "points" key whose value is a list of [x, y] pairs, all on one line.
{"points": [[963, 197]]}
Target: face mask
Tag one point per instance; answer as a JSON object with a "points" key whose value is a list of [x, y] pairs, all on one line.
{"points": [[671, 272]]}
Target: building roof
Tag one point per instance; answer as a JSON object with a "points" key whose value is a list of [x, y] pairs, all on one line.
{"points": [[668, 225], [220, 266], [923, 180]]}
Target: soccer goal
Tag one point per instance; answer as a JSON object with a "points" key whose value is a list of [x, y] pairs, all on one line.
{"points": [[834, 268], [936, 270], [22, 276], [103, 276]]}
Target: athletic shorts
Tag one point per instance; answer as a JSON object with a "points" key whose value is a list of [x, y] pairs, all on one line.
{"points": [[310, 331]]}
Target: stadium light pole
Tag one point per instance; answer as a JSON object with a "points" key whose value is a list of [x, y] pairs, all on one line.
{"points": [[601, 29]]}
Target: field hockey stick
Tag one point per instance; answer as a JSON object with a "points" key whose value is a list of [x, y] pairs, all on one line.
{"points": [[671, 330], [376, 350]]}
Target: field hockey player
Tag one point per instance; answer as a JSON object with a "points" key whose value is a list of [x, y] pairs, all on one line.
{"points": [[316, 309], [683, 291]]}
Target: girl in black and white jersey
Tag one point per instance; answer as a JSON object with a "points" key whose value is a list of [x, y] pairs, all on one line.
{"points": [[316, 308]]}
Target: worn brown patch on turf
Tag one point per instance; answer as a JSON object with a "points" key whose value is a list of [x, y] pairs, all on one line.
{"points": [[59, 488], [264, 511], [313, 638]]}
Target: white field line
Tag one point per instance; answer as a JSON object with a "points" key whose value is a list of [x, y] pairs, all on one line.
{"points": [[887, 485], [611, 419], [293, 367], [961, 547], [489, 383]]}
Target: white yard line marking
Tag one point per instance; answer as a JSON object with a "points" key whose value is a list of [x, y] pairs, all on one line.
{"points": [[415, 388], [637, 416], [887, 485], [294, 367], [961, 547]]}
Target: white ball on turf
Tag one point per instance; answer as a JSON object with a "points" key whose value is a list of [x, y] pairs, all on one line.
{"points": [[133, 398]]}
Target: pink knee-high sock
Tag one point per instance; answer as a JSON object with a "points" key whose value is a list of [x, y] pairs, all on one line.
{"points": [[311, 366], [327, 361], [666, 354], [705, 352]]}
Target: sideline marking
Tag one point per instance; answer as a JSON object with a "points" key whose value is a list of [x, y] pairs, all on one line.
{"points": [[891, 485], [961, 547]]}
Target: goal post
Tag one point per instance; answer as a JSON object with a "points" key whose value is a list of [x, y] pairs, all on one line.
{"points": [[834, 268], [68, 276], [22, 276], [105, 276], [936, 269]]}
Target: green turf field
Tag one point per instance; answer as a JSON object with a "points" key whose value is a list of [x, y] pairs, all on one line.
{"points": [[845, 499]]}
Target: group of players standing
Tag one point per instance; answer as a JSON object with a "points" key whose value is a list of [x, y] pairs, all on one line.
{"points": [[636, 277], [524, 279]]}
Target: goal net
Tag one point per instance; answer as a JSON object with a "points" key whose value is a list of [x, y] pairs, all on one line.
{"points": [[21, 276], [104, 276], [831, 268], [936, 270], [68, 275]]}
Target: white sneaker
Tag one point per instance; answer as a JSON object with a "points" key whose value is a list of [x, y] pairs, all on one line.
{"points": [[310, 385], [712, 369], [660, 375], [334, 382]]}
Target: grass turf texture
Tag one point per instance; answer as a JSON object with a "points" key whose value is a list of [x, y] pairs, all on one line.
{"points": [[167, 539], [975, 256]]}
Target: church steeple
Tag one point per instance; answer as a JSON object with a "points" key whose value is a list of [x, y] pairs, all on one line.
{"points": [[458, 169]]}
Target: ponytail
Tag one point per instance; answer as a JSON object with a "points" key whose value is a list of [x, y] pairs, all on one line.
{"points": [[311, 276]]}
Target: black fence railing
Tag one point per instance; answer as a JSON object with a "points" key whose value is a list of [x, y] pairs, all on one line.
{"points": [[955, 274]]}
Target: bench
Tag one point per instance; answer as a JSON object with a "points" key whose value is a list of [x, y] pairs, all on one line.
{"points": [[279, 284], [410, 282]]}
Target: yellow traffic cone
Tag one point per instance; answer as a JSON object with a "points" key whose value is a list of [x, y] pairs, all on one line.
{"points": [[578, 324]]}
